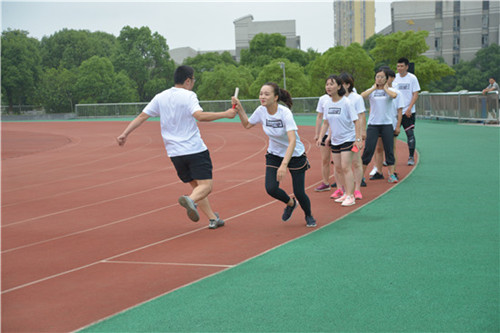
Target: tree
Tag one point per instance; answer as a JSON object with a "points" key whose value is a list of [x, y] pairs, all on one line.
{"points": [[143, 56], [296, 81], [220, 83], [262, 49], [352, 59], [21, 67], [407, 44], [69, 48], [56, 92], [98, 83], [206, 62]]}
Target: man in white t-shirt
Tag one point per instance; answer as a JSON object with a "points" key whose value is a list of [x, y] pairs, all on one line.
{"points": [[408, 85], [179, 109]]}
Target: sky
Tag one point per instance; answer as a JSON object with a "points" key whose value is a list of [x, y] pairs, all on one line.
{"points": [[202, 25]]}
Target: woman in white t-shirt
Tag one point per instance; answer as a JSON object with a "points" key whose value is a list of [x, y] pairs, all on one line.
{"points": [[359, 105], [380, 122], [345, 133], [285, 149], [324, 148]]}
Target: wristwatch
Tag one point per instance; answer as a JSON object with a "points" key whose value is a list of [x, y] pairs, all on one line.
{"points": [[358, 140]]}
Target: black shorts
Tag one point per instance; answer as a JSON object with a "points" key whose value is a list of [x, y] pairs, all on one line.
{"points": [[323, 141], [193, 167], [296, 164], [408, 123], [346, 146]]}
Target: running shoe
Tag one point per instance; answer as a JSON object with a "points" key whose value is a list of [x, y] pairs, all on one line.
{"points": [[190, 206], [342, 198], [374, 171], [333, 185], [411, 160], [393, 178], [287, 213], [363, 182], [322, 187], [376, 176], [310, 222], [349, 201], [384, 163], [337, 194], [358, 195], [215, 223]]}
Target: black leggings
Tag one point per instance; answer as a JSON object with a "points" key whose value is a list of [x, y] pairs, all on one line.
{"points": [[372, 134], [298, 181]]}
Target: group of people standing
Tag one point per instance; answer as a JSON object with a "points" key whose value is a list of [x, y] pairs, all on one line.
{"points": [[341, 133]]}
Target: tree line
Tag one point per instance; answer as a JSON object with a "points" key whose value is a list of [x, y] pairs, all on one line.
{"points": [[79, 66]]}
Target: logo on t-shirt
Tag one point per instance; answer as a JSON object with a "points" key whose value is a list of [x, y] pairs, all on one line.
{"points": [[333, 110], [274, 123], [403, 86], [379, 93]]}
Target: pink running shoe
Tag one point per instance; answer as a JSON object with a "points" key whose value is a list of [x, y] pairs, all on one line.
{"points": [[349, 201], [358, 195], [337, 194], [322, 187], [342, 198]]}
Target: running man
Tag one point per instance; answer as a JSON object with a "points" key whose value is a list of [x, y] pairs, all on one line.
{"points": [[179, 109]]}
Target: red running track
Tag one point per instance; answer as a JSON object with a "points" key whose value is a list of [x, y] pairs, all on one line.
{"points": [[90, 229]]}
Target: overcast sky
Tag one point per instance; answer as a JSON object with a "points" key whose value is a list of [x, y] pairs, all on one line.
{"points": [[202, 25]]}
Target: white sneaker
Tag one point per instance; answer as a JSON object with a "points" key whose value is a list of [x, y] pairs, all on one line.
{"points": [[349, 201], [374, 171], [342, 198]]}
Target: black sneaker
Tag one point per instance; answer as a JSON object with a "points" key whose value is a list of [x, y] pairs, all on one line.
{"points": [[310, 222], [377, 175], [215, 223], [333, 185], [363, 183], [287, 213]]}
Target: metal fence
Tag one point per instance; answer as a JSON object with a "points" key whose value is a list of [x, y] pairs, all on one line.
{"points": [[463, 106], [300, 105]]}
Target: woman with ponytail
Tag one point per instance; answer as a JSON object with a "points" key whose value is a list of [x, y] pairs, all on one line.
{"points": [[285, 150]]}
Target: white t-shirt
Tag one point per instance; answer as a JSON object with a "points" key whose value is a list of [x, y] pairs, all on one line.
{"points": [[341, 116], [357, 102], [380, 108], [175, 107], [407, 85], [276, 127], [397, 103], [321, 102]]}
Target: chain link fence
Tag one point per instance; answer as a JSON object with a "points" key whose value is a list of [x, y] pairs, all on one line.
{"points": [[463, 106]]}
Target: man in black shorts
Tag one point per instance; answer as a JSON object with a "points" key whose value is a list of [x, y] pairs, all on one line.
{"points": [[179, 109]]}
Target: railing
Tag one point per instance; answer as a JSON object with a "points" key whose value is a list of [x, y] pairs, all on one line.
{"points": [[462, 106]]}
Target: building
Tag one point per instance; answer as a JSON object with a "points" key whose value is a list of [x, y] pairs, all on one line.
{"points": [[245, 30], [457, 29], [354, 21]]}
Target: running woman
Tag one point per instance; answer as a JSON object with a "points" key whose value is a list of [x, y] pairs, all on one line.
{"points": [[345, 133], [179, 109], [285, 150]]}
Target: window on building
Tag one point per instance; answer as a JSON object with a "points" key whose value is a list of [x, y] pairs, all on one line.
{"points": [[484, 41], [485, 21], [456, 59], [456, 24], [439, 8], [456, 43], [486, 4], [456, 6], [437, 44]]}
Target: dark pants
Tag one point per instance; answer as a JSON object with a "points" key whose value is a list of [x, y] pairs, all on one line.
{"points": [[297, 167], [373, 132]]}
